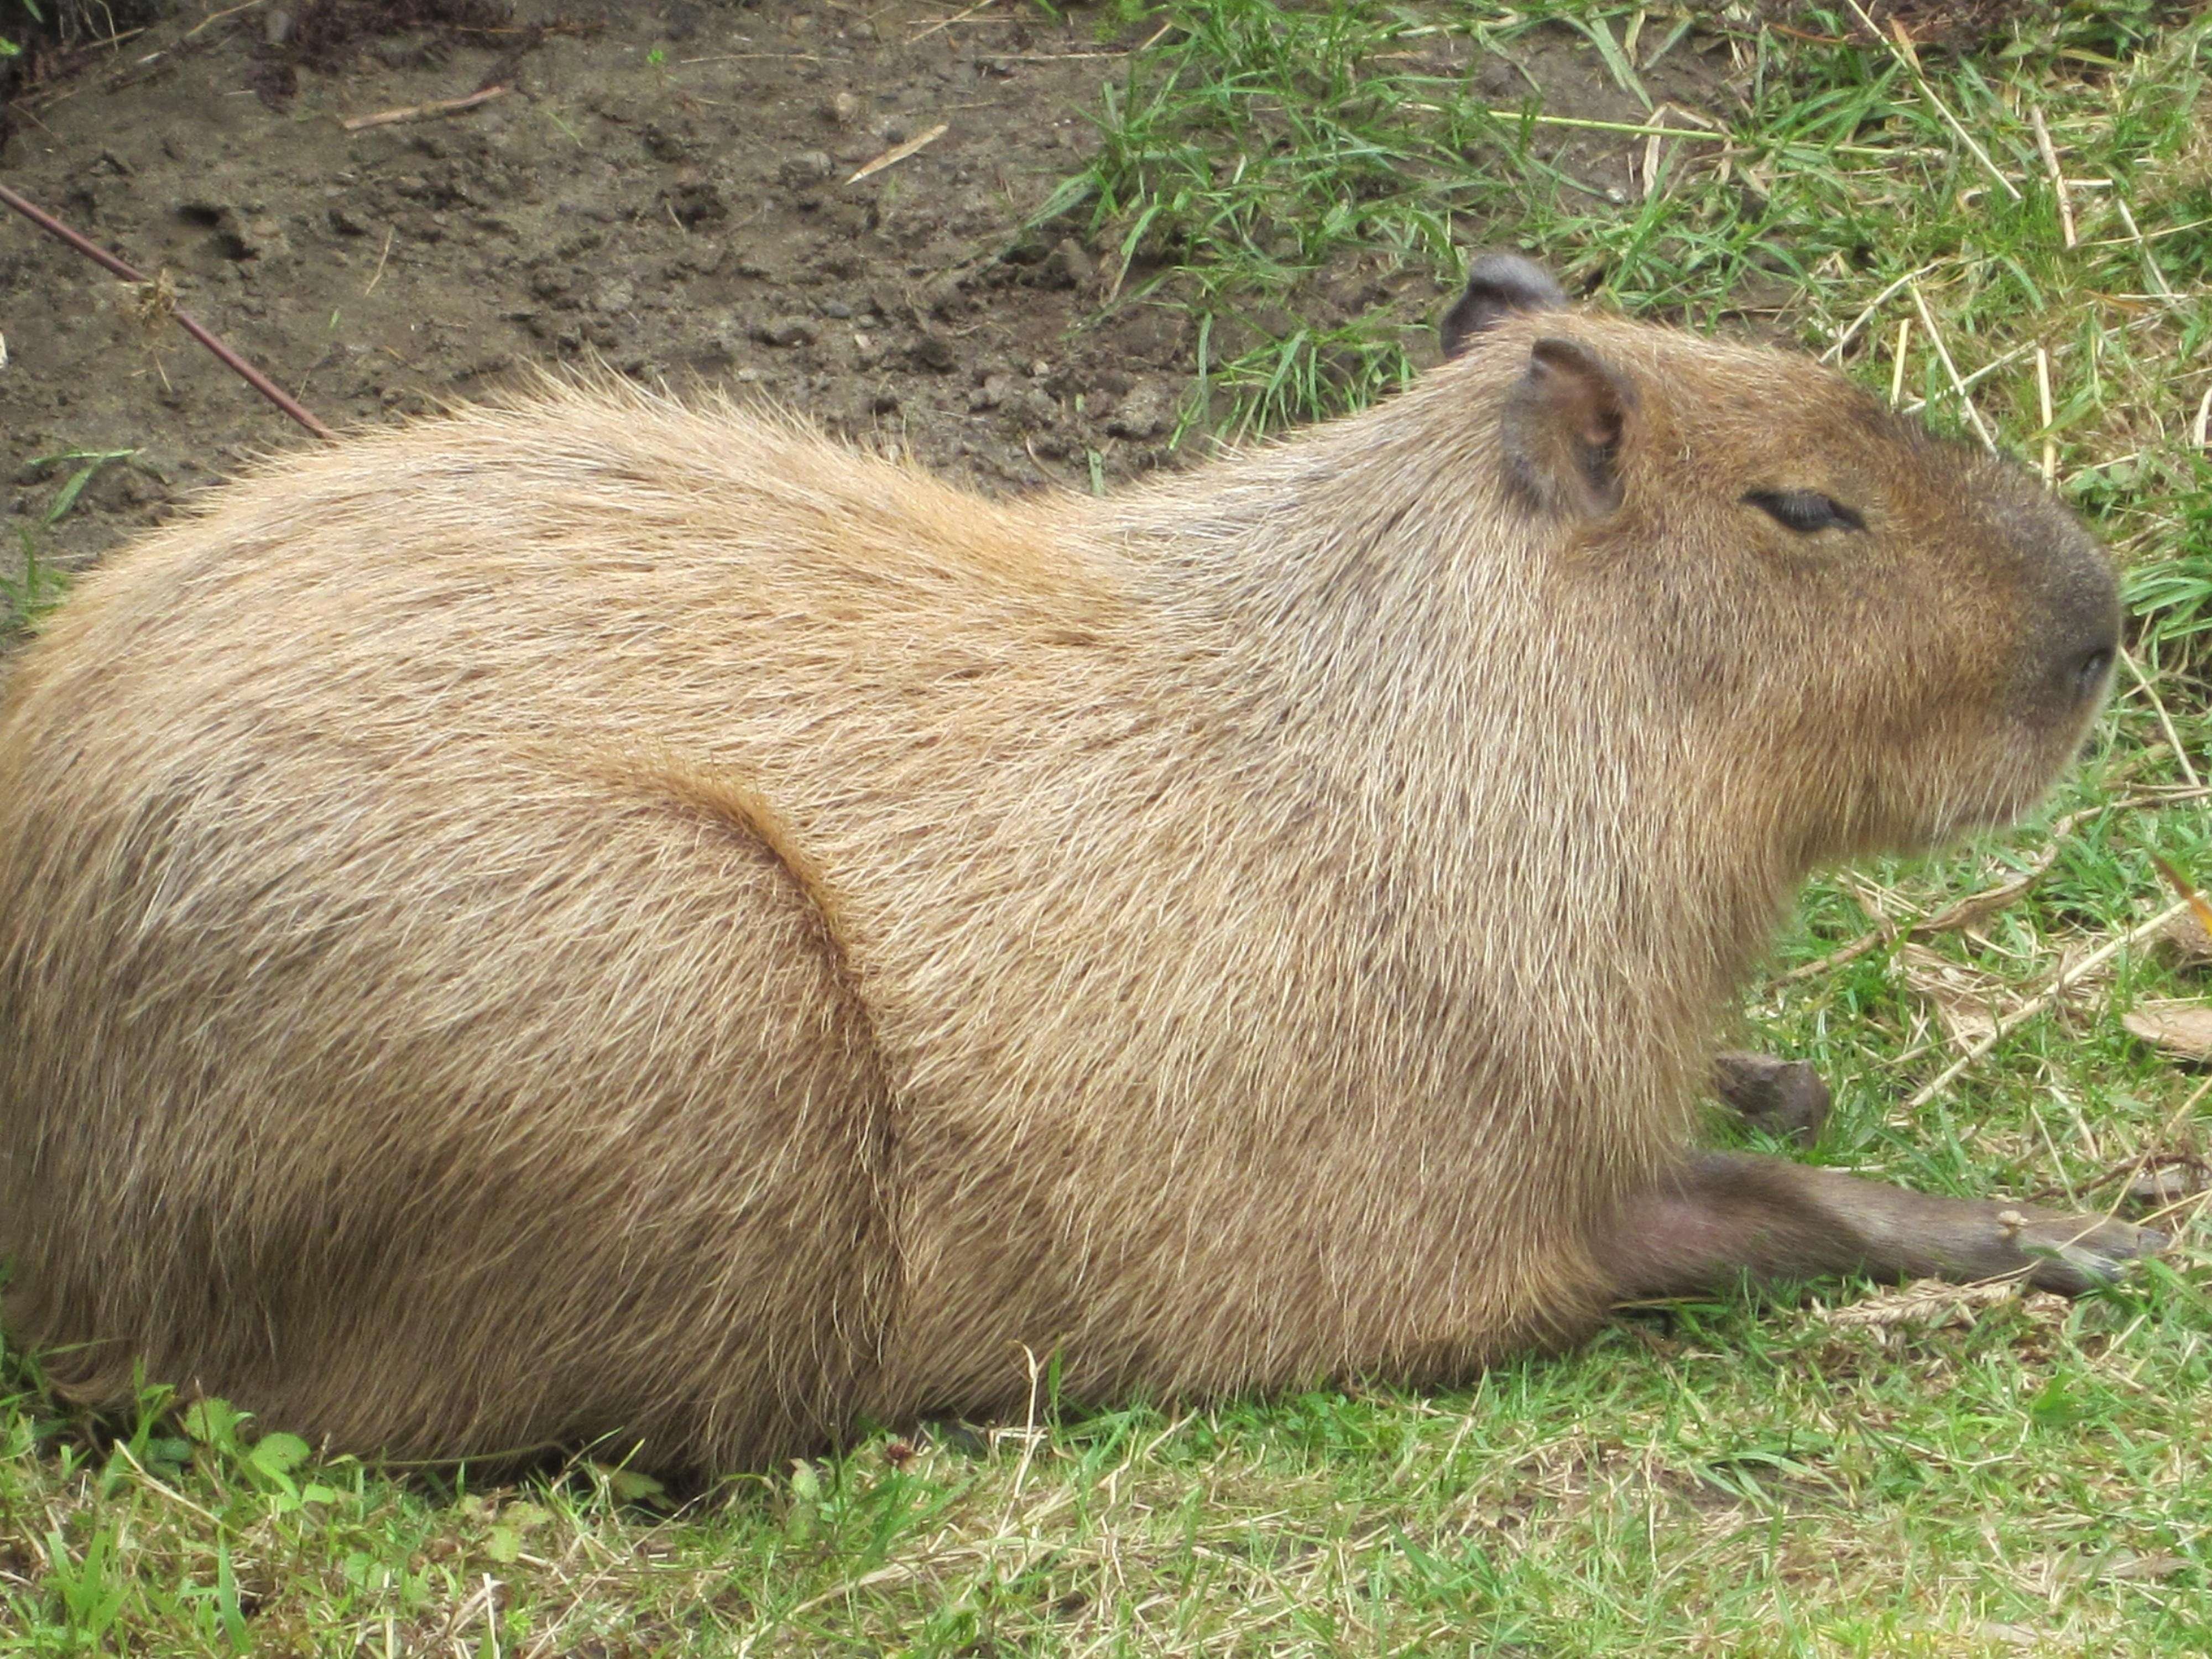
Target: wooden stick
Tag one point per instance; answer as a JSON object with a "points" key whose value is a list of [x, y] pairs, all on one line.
{"points": [[1967, 910], [423, 111], [100, 256]]}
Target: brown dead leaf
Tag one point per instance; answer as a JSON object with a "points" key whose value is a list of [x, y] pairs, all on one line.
{"points": [[2182, 1026]]}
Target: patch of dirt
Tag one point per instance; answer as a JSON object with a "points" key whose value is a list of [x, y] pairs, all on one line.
{"points": [[667, 187], [666, 191]]}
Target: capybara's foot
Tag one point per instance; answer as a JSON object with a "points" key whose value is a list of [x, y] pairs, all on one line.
{"points": [[2071, 1253], [1783, 1097], [1722, 1214]]}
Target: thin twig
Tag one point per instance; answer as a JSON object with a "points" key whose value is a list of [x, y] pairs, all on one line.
{"points": [[2158, 236], [169, 1492], [2150, 265], [1978, 375], [1965, 912], [1146, 45], [2129, 1168], [1867, 316], [2042, 401], [1943, 355], [2057, 175], [751, 56], [947, 22], [1030, 1436], [2165, 720], [390, 231], [216, 17], [1579, 122], [424, 112], [1912, 66], [1630, 129], [115, 39], [2013, 1018], [1897, 361], [100, 256], [898, 153]]}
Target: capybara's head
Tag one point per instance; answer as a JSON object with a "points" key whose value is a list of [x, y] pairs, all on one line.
{"points": [[1888, 635]]}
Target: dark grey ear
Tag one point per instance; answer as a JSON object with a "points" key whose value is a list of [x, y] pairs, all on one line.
{"points": [[1498, 285], [1565, 426]]}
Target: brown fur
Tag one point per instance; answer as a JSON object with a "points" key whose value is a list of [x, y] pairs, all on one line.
{"points": [[594, 917]]}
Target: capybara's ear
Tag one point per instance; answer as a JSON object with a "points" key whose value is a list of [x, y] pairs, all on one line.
{"points": [[1498, 285], [1565, 426]]}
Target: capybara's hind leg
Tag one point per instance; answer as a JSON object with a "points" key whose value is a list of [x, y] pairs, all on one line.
{"points": [[1726, 1214]]}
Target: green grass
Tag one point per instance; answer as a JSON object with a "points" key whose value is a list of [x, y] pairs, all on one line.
{"points": [[30, 593], [1738, 1477]]}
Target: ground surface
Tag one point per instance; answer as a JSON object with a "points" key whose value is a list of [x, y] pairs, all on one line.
{"points": [[1141, 227], [666, 189]]}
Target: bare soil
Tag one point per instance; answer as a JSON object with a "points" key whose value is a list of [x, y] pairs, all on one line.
{"points": [[667, 187]]}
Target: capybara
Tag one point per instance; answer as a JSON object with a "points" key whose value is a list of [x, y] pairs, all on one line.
{"points": [[594, 920]]}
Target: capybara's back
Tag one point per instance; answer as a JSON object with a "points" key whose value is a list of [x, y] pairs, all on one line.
{"points": [[596, 919], [384, 953]]}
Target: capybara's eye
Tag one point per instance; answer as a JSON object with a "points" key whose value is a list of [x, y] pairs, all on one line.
{"points": [[1805, 510]]}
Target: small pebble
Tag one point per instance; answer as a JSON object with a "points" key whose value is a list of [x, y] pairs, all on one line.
{"points": [[785, 331], [1069, 265], [1148, 410]]}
